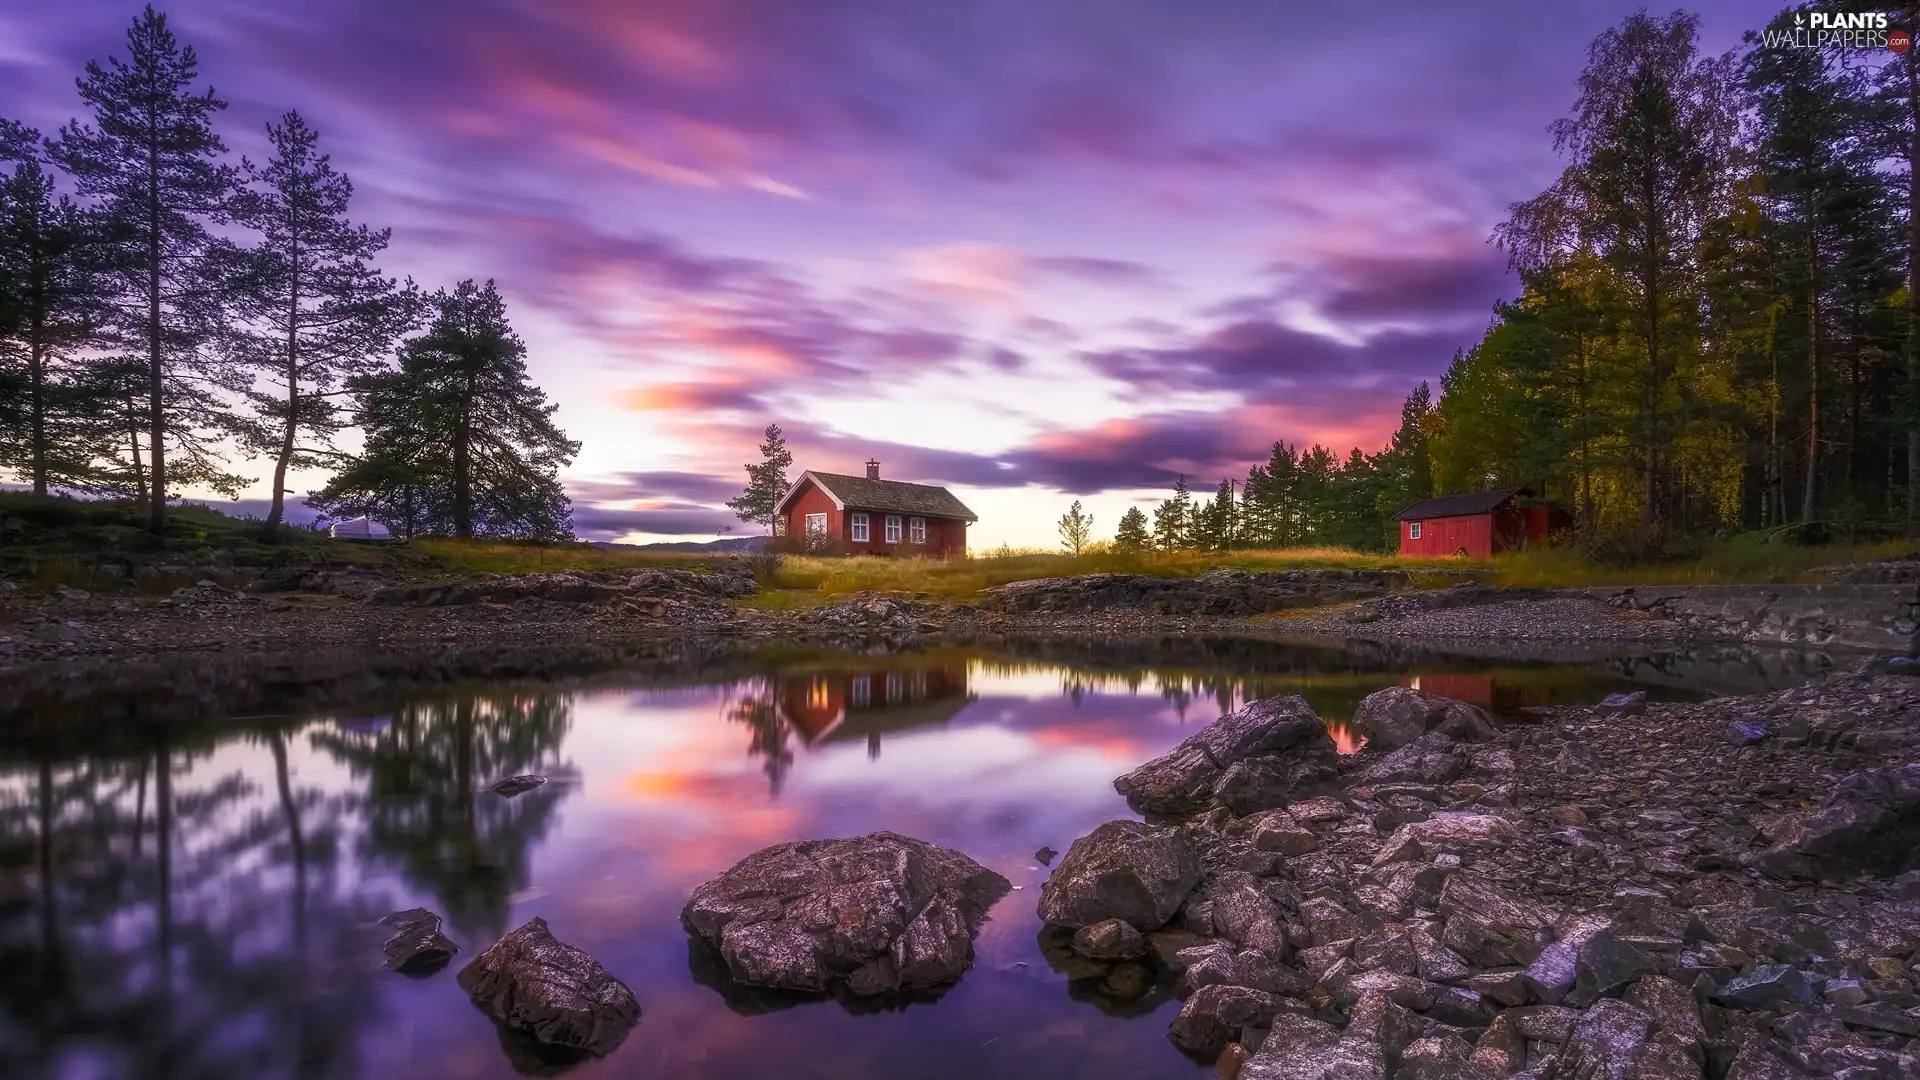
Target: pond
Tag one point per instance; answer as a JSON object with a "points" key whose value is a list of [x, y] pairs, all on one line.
{"points": [[202, 902]]}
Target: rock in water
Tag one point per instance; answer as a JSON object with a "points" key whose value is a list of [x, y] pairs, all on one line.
{"points": [[1396, 716], [563, 998], [1628, 704], [1115, 939], [1250, 759], [1870, 823], [1045, 856], [417, 946], [517, 785], [879, 913], [1122, 870]]}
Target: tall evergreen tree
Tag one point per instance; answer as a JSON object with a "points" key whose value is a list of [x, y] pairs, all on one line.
{"points": [[759, 504], [459, 432], [1171, 524], [1132, 534], [311, 311], [1076, 528], [1648, 142], [49, 305], [150, 162]]}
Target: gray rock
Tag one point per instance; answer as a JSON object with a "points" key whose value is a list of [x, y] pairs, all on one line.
{"points": [[1748, 732], [1845, 992], [1509, 988], [1460, 1007], [1302, 1048], [1215, 1015], [881, 913], [1672, 1006], [1435, 1058], [1758, 1060], [1490, 926], [1545, 1023], [516, 785], [1122, 870], [1431, 759], [1281, 742], [1765, 984], [1870, 823], [531, 983], [417, 946], [1045, 856], [1398, 715], [1632, 703], [1114, 939], [1603, 966], [1552, 974], [1247, 917], [1606, 1044]]}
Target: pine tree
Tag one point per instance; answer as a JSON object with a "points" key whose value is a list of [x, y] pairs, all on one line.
{"points": [[1171, 519], [50, 302], [150, 162], [759, 504], [1076, 528], [458, 434], [310, 311], [1132, 534]]}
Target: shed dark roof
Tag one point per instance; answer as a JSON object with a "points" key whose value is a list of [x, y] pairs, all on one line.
{"points": [[860, 493], [1480, 502]]}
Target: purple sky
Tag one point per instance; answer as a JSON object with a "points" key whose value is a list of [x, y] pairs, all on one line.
{"points": [[1033, 250]]}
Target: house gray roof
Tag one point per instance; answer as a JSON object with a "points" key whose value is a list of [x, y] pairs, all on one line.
{"points": [[892, 496], [1479, 502]]}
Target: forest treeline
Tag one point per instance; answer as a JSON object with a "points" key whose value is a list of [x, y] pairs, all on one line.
{"points": [[1716, 330], [166, 308]]}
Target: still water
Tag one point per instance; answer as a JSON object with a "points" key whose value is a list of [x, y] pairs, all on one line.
{"points": [[202, 904]]}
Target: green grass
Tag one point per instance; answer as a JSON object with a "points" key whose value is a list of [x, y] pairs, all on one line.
{"points": [[1748, 558], [506, 557], [805, 581]]}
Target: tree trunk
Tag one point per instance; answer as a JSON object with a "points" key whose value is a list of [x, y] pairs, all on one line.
{"points": [[37, 363], [1809, 499], [156, 381], [292, 425], [463, 463]]}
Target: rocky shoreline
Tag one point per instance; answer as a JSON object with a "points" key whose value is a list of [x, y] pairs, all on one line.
{"points": [[1728, 890]]}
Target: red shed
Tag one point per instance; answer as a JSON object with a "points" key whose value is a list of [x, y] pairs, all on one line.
{"points": [[865, 515], [1477, 525]]}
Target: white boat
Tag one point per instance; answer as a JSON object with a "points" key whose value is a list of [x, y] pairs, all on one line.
{"points": [[360, 528]]}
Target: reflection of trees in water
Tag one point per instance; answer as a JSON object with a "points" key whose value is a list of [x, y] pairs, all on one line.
{"points": [[174, 922], [428, 809], [755, 703]]}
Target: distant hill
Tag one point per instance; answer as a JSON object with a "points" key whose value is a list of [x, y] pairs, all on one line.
{"points": [[728, 544]]}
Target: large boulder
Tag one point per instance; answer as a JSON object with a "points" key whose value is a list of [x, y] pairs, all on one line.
{"points": [[1248, 760], [1396, 716], [1122, 870], [1302, 1048], [1870, 823], [417, 947], [540, 987], [878, 913], [1431, 759], [1489, 925]]}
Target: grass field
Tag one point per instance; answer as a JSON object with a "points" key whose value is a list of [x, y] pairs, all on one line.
{"points": [[58, 536]]}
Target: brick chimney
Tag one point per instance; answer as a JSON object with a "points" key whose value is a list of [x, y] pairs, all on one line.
{"points": [[873, 469]]}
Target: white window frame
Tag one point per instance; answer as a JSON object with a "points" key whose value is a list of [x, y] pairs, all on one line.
{"points": [[859, 528], [893, 528], [816, 524], [1413, 530], [861, 693], [917, 530]]}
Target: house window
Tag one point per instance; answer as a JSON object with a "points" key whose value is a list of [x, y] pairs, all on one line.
{"points": [[1413, 530], [893, 528], [862, 692], [917, 530], [893, 687], [859, 528], [816, 524]]}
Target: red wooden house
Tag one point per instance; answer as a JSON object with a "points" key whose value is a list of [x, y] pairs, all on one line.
{"points": [[1477, 525], [865, 515]]}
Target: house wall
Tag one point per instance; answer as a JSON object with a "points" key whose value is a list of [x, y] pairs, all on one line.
{"points": [[814, 501], [945, 536], [1444, 536]]}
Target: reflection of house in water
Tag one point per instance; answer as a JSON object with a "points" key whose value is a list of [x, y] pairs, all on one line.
{"points": [[865, 703], [1486, 691]]}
